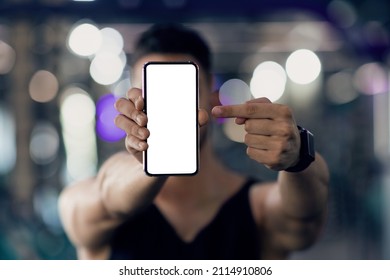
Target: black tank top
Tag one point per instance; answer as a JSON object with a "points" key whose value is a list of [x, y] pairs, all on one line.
{"points": [[232, 234]]}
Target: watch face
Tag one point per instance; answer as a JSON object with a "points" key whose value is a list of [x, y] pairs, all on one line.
{"points": [[309, 139], [306, 152]]}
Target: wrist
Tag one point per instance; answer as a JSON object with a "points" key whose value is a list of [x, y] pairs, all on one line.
{"points": [[306, 151]]}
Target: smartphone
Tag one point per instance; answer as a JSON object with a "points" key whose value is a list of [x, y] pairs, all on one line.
{"points": [[170, 91]]}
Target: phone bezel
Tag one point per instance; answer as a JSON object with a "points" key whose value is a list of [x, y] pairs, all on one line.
{"points": [[196, 125]]}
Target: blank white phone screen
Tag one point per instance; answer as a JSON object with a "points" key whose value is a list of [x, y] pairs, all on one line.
{"points": [[171, 105]]}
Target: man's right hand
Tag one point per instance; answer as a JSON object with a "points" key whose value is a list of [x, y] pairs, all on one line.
{"points": [[133, 121]]}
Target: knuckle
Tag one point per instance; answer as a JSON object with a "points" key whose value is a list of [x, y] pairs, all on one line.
{"points": [[133, 114], [132, 143], [284, 129], [250, 109], [141, 133], [250, 125], [119, 104], [128, 144], [274, 160], [285, 111], [133, 93], [227, 110], [251, 153], [247, 139], [118, 120], [134, 130], [251, 141], [265, 100], [281, 147]]}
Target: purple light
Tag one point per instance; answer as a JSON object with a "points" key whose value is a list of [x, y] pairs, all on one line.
{"points": [[105, 115], [371, 79]]}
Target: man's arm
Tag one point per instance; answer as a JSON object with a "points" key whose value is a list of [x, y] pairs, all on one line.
{"points": [[291, 211], [91, 209]]}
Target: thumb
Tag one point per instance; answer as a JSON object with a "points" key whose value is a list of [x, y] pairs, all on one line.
{"points": [[256, 100], [203, 117]]}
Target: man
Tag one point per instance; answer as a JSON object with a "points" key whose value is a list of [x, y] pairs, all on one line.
{"points": [[216, 214]]}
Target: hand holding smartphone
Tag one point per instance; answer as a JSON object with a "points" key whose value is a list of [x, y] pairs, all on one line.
{"points": [[170, 92]]}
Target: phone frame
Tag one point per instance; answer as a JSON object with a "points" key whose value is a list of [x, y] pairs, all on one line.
{"points": [[145, 93]]}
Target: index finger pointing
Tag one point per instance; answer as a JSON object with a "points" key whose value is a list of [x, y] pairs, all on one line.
{"points": [[247, 110]]}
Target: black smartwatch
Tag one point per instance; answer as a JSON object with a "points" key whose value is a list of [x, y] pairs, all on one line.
{"points": [[306, 152]]}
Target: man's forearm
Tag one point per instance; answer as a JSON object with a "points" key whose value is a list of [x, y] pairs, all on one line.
{"points": [[305, 194], [124, 186]]}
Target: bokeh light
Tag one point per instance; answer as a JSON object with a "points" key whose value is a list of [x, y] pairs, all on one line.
{"points": [[106, 68], [45, 202], [108, 59], [303, 66], [371, 78], [268, 80], [43, 86], [339, 88], [122, 87], [234, 131], [342, 13], [7, 140], [112, 41], [308, 35], [77, 114], [44, 143], [85, 39], [234, 91], [78, 110], [105, 114]]}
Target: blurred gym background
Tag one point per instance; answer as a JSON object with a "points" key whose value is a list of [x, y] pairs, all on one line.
{"points": [[64, 62]]}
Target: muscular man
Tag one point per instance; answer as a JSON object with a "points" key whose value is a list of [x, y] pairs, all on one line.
{"points": [[216, 214]]}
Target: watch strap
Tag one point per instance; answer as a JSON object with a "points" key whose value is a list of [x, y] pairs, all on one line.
{"points": [[306, 151]]}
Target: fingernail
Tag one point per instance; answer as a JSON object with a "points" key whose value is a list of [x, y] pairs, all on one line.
{"points": [[140, 133], [137, 102], [139, 119], [141, 145]]}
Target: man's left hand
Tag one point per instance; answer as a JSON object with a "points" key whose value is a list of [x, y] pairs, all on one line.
{"points": [[272, 137]]}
